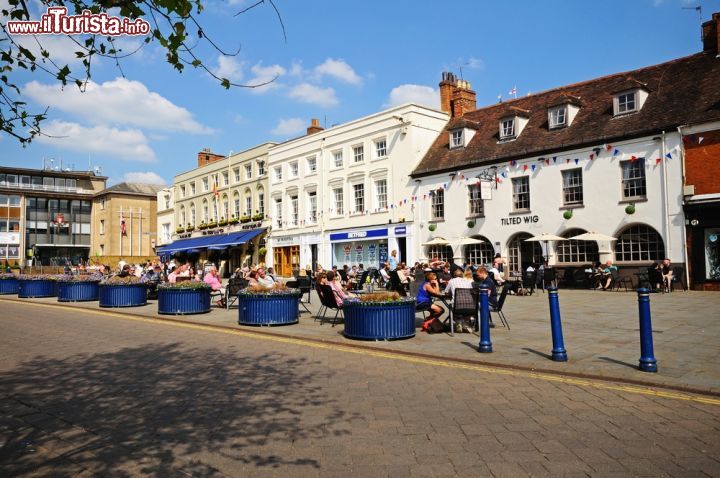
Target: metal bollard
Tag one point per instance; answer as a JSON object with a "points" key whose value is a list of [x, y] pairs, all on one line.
{"points": [[485, 345], [559, 354], [648, 363]]}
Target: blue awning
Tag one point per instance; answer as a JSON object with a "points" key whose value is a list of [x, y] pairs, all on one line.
{"points": [[216, 242]]}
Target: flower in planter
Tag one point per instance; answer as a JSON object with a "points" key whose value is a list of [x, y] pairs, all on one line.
{"points": [[37, 277], [262, 251], [233, 220], [7, 275], [188, 285], [258, 217], [180, 230], [117, 280], [380, 298], [94, 277], [245, 219], [277, 289]]}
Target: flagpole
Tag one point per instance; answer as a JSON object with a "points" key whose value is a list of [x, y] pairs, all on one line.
{"points": [[121, 234], [130, 235], [140, 235]]}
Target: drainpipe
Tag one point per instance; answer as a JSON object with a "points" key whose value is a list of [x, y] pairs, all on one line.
{"points": [[666, 201], [682, 165]]}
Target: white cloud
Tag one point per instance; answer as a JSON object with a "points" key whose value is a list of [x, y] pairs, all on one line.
{"points": [[289, 127], [338, 69], [145, 177], [307, 93], [263, 74], [419, 94], [129, 144], [296, 69], [475, 63], [120, 102], [229, 67]]}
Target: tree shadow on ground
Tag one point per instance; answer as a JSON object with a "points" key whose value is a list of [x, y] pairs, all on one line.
{"points": [[163, 410]]}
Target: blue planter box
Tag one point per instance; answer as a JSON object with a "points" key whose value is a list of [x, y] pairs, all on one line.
{"points": [[379, 322], [268, 309], [77, 291], [132, 295], [8, 286], [36, 288], [183, 301]]}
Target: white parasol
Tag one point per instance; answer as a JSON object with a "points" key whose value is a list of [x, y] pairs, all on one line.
{"points": [[593, 236], [437, 241]]}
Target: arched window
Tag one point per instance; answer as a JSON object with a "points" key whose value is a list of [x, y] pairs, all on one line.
{"points": [[639, 243], [480, 254], [236, 204], [521, 254], [205, 211], [572, 251], [261, 201], [225, 207], [443, 253], [248, 203], [192, 214], [182, 216]]}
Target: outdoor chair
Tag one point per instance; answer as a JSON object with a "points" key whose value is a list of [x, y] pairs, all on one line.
{"points": [[580, 278], [549, 277], [322, 309], [528, 282], [396, 285], [304, 283], [233, 288], [678, 278], [654, 278], [413, 292], [330, 302], [620, 281], [464, 304], [501, 302]]}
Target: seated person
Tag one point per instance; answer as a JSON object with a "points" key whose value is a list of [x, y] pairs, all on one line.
{"points": [[482, 279], [333, 280], [667, 273], [458, 282], [385, 273], [429, 289], [263, 278], [212, 279], [495, 269], [252, 279], [125, 271], [607, 274]]}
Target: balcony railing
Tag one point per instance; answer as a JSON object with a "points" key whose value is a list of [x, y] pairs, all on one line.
{"points": [[46, 187]]}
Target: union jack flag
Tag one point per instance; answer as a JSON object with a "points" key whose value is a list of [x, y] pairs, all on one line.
{"points": [[122, 225]]}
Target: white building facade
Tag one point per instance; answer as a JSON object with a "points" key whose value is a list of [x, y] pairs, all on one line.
{"points": [[165, 216], [336, 195]]}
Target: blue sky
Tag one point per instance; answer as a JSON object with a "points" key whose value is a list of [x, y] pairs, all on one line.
{"points": [[342, 60]]}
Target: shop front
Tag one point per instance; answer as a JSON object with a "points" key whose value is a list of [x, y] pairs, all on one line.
{"points": [[703, 239], [368, 247], [286, 255]]}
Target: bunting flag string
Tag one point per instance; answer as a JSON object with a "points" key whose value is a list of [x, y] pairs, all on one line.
{"points": [[554, 159], [524, 167], [533, 167], [567, 160], [668, 156], [592, 156], [633, 159], [576, 161], [658, 161], [616, 152]]}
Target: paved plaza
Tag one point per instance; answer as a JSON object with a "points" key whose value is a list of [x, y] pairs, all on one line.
{"points": [[91, 393]]}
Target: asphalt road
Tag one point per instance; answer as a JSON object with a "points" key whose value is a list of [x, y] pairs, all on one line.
{"points": [[95, 394]]}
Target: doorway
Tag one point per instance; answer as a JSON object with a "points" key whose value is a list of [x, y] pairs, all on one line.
{"points": [[402, 249]]}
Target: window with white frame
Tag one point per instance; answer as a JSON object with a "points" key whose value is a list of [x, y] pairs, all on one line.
{"points": [[236, 204], [293, 210], [381, 193], [167, 202], [192, 215], [278, 173], [476, 207], [248, 171], [457, 138], [626, 103], [261, 203], [639, 243], [359, 197], [192, 188], [312, 165], [312, 206], [358, 154], [261, 168], [574, 251], [166, 232], [572, 187], [339, 201], [206, 184], [507, 128], [381, 148], [236, 173], [248, 205], [206, 211], [278, 212], [182, 194], [293, 169], [338, 158], [102, 226], [481, 254], [633, 179], [437, 205], [226, 207], [557, 117], [182, 216], [521, 194], [440, 253], [225, 178]]}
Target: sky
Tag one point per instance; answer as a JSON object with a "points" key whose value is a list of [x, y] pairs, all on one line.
{"points": [[145, 122]]}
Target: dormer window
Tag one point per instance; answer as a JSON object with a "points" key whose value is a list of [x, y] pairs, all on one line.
{"points": [[626, 103], [557, 117], [457, 139], [507, 128]]}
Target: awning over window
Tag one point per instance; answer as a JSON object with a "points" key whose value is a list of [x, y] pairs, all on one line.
{"points": [[216, 242]]}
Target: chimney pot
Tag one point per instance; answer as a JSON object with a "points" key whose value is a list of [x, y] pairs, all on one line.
{"points": [[711, 34], [314, 126]]}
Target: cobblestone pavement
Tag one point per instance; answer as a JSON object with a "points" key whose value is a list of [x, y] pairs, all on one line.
{"points": [[600, 328], [87, 393]]}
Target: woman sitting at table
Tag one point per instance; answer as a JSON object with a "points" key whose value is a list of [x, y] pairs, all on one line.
{"points": [[429, 289], [333, 280]]}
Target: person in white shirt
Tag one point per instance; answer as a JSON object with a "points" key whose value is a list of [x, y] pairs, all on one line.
{"points": [[496, 274], [263, 279], [458, 282]]}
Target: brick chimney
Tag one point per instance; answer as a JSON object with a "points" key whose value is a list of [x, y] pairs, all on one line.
{"points": [[711, 34], [206, 157], [456, 96], [314, 127]]}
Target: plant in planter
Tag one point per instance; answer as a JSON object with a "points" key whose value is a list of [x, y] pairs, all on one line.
{"points": [[78, 288], [244, 219], [233, 220], [258, 305], [258, 217], [212, 224], [568, 214], [222, 222], [630, 208], [261, 253], [180, 230], [379, 316], [8, 284], [432, 227], [190, 227], [119, 291], [202, 226], [36, 285], [183, 298]]}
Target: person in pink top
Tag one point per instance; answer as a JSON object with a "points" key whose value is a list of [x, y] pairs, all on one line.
{"points": [[333, 280], [212, 279]]}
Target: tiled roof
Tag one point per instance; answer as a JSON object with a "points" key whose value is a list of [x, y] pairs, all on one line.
{"points": [[134, 188], [682, 91]]}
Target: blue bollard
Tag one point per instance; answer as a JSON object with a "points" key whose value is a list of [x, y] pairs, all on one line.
{"points": [[559, 354], [485, 344], [648, 363]]}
